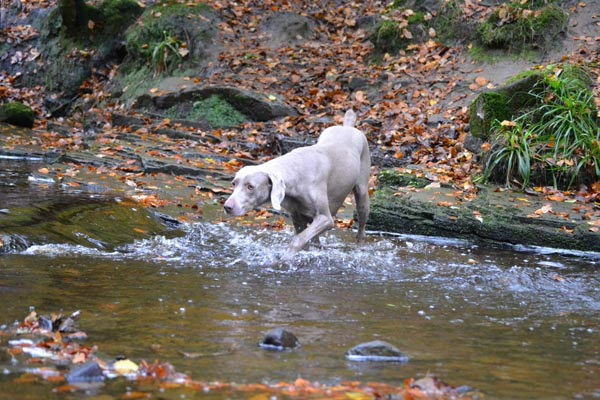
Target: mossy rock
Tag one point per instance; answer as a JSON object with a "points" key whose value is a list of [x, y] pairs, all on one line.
{"points": [[491, 218], [217, 112], [514, 28], [500, 104], [552, 137], [18, 114], [387, 38], [68, 56], [191, 23], [99, 223], [444, 17], [223, 104], [393, 178]]}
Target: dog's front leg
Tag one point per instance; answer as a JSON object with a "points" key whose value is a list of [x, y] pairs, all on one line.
{"points": [[320, 224]]}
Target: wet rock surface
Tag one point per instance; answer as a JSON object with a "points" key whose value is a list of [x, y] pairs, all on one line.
{"points": [[279, 339], [86, 373], [495, 216], [376, 350]]}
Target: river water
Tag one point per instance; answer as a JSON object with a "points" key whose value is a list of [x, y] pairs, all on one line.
{"points": [[510, 323]]}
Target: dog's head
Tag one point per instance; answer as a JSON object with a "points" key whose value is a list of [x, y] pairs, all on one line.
{"points": [[253, 186]]}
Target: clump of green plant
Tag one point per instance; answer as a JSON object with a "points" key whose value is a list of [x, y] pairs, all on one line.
{"points": [[510, 154], [166, 52], [449, 24], [556, 142], [519, 25], [216, 111], [388, 37], [148, 36]]}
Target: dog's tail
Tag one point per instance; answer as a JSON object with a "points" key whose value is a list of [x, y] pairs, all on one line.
{"points": [[350, 118]]}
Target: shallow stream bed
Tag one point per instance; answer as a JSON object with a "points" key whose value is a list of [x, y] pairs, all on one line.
{"points": [[510, 324]]}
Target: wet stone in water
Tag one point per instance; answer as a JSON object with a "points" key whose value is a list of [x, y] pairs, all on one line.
{"points": [[86, 373], [377, 350], [279, 339]]}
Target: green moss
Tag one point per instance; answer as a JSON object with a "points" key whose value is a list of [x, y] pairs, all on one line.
{"points": [[417, 18], [398, 4], [492, 105], [388, 38], [393, 178], [449, 24], [214, 110], [514, 28], [16, 113]]}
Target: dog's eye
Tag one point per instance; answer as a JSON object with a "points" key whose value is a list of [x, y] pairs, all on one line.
{"points": [[250, 187]]}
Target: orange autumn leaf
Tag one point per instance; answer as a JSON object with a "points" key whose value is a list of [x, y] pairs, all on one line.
{"points": [[481, 81], [136, 395], [566, 230]]}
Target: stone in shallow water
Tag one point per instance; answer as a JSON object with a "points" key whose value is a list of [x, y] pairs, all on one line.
{"points": [[86, 373], [279, 339], [377, 350]]}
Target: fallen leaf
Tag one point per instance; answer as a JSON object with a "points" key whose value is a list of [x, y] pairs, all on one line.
{"points": [[126, 366], [481, 81]]}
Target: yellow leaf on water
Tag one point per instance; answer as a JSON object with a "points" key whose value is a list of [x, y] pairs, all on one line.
{"points": [[125, 367]]}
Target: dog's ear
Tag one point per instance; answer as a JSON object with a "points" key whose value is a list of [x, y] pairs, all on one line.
{"points": [[277, 190]]}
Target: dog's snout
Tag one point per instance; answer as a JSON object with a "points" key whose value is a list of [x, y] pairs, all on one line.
{"points": [[228, 208]]}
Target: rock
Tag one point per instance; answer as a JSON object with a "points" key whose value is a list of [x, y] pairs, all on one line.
{"points": [[500, 103], [86, 373], [16, 113], [192, 23], [377, 350], [493, 217], [279, 339], [255, 106], [287, 28]]}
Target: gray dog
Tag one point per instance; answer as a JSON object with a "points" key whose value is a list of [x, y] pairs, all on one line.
{"points": [[310, 182]]}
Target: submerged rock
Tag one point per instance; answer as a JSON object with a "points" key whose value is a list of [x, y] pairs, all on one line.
{"points": [[86, 373], [377, 350], [279, 339]]}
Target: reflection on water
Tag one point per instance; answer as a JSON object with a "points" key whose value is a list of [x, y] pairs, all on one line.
{"points": [[510, 324]]}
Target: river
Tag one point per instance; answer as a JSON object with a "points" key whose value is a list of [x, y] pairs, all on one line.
{"points": [[509, 323]]}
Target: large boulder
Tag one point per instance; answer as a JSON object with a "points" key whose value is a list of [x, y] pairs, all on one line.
{"points": [[186, 102]]}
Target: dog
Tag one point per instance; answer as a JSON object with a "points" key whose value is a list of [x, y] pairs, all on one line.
{"points": [[311, 183]]}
